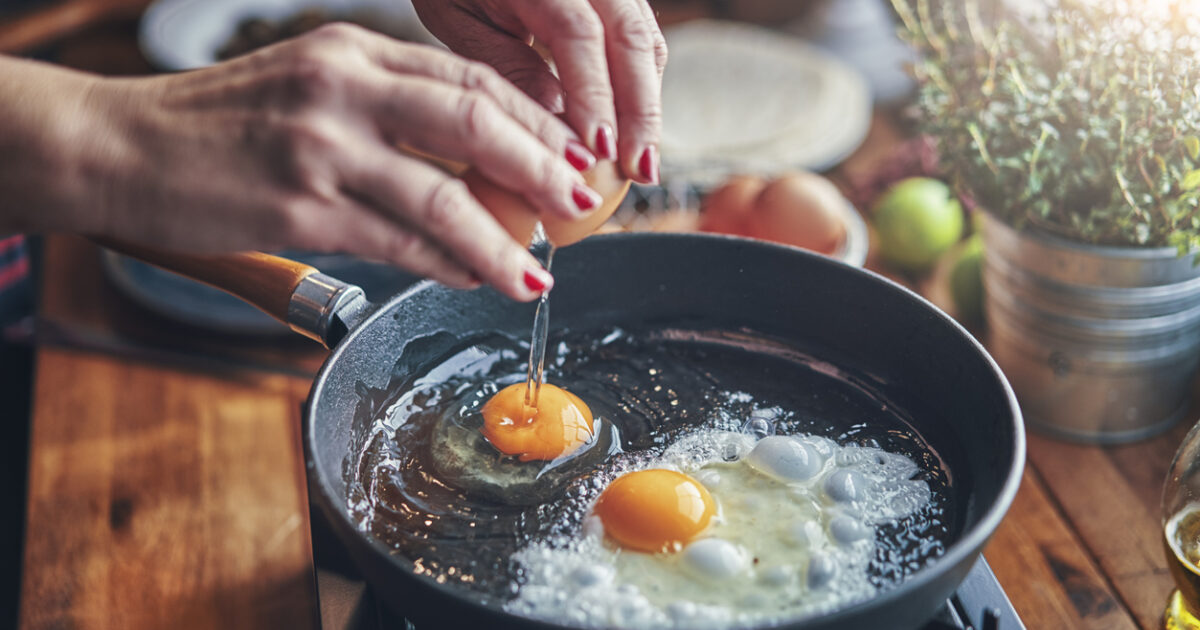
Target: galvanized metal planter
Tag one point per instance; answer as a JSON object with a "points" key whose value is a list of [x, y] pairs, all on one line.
{"points": [[1100, 343]]}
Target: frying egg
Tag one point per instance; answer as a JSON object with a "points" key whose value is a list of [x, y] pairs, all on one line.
{"points": [[467, 454], [559, 425], [654, 510], [786, 529]]}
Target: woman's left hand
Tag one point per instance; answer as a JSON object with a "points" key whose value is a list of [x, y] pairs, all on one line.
{"points": [[609, 55]]}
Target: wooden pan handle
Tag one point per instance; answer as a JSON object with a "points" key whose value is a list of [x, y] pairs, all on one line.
{"points": [[263, 280], [45, 25]]}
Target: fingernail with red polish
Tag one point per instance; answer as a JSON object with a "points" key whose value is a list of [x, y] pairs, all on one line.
{"points": [[585, 198], [648, 165], [579, 157], [606, 144], [538, 280], [475, 278]]}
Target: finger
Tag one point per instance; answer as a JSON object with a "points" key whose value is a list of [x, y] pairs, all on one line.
{"points": [[519, 63], [421, 195], [575, 35], [469, 126], [508, 52], [636, 54], [344, 224], [531, 108], [376, 237], [660, 49]]}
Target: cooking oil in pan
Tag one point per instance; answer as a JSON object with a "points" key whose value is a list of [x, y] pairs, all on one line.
{"points": [[1182, 541], [649, 389]]}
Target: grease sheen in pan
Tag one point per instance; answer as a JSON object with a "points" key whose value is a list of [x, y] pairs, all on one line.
{"points": [[647, 388]]}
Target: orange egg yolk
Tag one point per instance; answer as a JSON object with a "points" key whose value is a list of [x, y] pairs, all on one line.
{"points": [[559, 425], [654, 510]]}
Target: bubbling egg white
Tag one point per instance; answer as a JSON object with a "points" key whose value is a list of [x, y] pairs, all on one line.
{"points": [[793, 536]]}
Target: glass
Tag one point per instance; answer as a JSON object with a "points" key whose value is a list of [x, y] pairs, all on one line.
{"points": [[1181, 534]]}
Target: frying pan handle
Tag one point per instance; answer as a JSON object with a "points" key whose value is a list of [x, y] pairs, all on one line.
{"points": [[38, 27], [308, 301]]}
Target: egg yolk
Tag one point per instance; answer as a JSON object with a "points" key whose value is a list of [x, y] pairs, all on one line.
{"points": [[654, 510], [559, 425]]}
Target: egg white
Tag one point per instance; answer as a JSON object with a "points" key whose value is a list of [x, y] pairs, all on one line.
{"points": [[793, 536]]}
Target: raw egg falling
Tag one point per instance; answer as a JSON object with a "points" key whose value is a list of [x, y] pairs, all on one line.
{"points": [[557, 426], [532, 420]]}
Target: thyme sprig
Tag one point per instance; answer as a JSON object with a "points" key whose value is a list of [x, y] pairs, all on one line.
{"points": [[1083, 120]]}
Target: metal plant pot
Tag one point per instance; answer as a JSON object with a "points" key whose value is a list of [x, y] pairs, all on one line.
{"points": [[1101, 343]]}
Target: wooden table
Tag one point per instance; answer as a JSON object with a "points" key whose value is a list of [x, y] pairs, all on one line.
{"points": [[168, 492]]}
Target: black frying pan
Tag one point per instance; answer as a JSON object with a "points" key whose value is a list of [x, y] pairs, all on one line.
{"points": [[911, 354]]}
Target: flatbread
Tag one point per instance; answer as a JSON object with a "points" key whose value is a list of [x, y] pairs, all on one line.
{"points": [[739, 98]]}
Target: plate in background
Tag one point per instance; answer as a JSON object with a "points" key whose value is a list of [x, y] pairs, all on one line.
{"points": [[186, 34], [744, 99], [178, 298]]}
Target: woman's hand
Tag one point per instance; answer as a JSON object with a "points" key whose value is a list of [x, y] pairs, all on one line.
{"points": [[295, 146], [609, 55]]}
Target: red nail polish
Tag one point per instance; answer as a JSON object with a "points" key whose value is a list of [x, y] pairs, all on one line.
{"points": [[648, 165], [537, 281], [578, 156], [584, 197], [475, 278], [606, 144]]}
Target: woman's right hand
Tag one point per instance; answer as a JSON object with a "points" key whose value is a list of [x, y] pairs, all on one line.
{"points": [[296, 146]]}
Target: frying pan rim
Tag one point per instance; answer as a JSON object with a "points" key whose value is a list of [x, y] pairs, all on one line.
{"points": [[971, 541]]}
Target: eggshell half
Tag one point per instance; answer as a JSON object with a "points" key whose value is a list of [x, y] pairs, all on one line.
{"points": [[519, 218]]}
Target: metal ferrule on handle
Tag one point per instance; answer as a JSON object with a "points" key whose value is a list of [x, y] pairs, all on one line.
{"points": [[323, 308]]}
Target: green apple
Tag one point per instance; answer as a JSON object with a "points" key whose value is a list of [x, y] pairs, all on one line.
{"points": [[918, 220], [966, 280]]}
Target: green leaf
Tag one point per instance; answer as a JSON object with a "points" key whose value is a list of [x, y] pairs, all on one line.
{"points": [[1192, 144], [1191, 181]]}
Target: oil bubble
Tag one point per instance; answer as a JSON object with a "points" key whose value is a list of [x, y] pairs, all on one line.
{"points": [[844, 486], [847, 530], [714, 559], [785, 459], [821, 570], [758, 427]]}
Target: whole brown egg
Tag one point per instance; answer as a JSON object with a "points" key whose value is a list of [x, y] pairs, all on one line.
{"points": [[727, 208], [801, 209]]}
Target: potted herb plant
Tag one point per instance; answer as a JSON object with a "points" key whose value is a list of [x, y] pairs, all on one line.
{"points": [[1076, 131]]}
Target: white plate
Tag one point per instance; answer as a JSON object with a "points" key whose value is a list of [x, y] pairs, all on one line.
{"points": [[744, 99], [186, 34]]}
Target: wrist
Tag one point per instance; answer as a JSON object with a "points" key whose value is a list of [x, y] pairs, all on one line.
{"points": [[54, 134]]}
